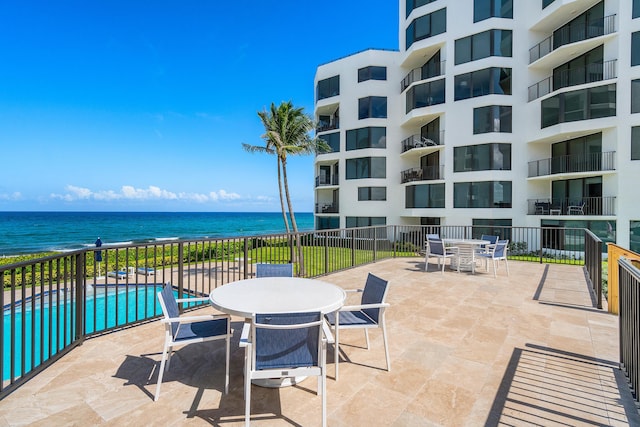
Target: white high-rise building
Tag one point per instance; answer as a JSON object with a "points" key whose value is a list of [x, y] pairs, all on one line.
{"points": [[491, 113]]}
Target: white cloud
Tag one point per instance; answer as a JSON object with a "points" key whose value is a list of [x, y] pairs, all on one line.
{"points": [[129, 192], [13, 196]]}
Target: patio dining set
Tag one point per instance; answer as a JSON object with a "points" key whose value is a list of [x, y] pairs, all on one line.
{"points": [[287, 324], [466, 254]]}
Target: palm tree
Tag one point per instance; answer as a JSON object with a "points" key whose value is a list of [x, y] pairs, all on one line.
{"points": [[287, 132]]}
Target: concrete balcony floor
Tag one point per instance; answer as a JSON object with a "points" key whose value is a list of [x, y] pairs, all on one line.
{"points": [[466, 350]]}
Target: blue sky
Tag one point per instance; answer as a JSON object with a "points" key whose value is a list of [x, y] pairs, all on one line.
{"points": [[143, 106]]}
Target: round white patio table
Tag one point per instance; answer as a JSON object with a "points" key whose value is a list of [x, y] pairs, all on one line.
{"points": [[245, 298], [466, 252]]}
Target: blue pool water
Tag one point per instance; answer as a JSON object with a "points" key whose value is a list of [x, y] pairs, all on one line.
{"points": [[55, 315]]}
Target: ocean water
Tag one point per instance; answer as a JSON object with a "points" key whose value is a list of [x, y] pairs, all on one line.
{"points": [[33, 232]]}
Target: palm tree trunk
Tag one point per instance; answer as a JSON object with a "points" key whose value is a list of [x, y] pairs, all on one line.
{"points": [[301, 268], [284, 212]]}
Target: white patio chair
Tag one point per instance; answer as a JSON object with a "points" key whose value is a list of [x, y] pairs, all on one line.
{"points": [[285, 345], [189, 330], [367, 315], [496, 253], [274, 270], [436, 248]]}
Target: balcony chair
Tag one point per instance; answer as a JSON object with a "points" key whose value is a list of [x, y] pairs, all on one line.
{"points": [[496, 253], [435, 248], [274, 270], [542, 208], [285, 345], [189, 330], [367, 315], [576, 209]]}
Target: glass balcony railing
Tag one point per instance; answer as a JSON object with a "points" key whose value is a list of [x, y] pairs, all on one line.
{"points": [[324, 180], [594, 162]]}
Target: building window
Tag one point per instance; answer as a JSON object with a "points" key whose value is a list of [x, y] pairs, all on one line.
{"points": [[327, 222], [635, 48], [485, 9], [580, 154], [635, 96], [492, 118], [372, 193], [635, 143], [369, 137], [425, 94], [568, 235], [482, 194], [583, 104], [365, 221], [636, 11], [332, 140], [366, 167], [372, 107], [634, 235], [372, 73], [426, 26], [328, 87], [482, 157], [483, 82], [492, 227], [413, 4], [424, 196], [483, 45], [546, 3]]}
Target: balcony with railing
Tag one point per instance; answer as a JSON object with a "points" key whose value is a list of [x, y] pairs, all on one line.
{"points": [[326, 180], [566, 78], [593, 206], [593, 162], [328, 124], [422, 73], [429, 173], [433, 139], [573, 33], [323, 208]]}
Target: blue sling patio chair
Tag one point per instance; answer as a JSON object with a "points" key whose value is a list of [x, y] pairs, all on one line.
{"points": [[189, 330], [274, 270], [436, 248], [496, 253], [367, 315], [285, 345]]}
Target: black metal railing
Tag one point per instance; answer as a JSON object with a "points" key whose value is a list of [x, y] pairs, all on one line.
{"points": [[431, 139], [629, 326], [593, 264], [428, 173], [577, 76], [51, 304], [598, 206], [573, 34], [422, 73], [592, 162]]}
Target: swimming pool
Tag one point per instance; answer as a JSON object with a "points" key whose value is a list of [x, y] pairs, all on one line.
{"points": [[105, 308]]}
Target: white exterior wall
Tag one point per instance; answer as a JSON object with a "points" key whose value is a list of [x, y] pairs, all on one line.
{"points": [[529, 142]]}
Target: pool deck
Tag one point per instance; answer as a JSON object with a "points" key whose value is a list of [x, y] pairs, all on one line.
{"points": [[466, 350]]}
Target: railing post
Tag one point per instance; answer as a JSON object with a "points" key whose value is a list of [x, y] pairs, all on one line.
{"points": [[180, 274], [326, 252], [80, 286], [395, 240], [375, 242], [245, 257], [353, 247]]}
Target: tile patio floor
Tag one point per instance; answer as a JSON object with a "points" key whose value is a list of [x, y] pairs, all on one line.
{"points": [[466, 350]]}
